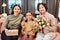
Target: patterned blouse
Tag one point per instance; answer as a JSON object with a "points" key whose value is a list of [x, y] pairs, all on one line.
{"points": [[28, 28]]}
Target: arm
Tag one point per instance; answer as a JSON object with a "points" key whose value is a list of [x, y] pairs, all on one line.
{"points": [[53, 24], [35, 27], [23, 27], [6, 23]]}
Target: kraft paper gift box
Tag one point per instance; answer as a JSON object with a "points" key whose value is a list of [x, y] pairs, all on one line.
{"points": [[13, 32]]}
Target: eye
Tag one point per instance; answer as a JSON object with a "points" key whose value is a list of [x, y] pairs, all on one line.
{"points": [[15, 8], [41, 7], [18, 9]]}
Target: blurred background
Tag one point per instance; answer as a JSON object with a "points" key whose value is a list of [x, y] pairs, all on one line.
{"points": [[53, 6]]}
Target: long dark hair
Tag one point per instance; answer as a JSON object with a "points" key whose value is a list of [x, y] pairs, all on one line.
{"points": [[14, 7], [31, 14]]}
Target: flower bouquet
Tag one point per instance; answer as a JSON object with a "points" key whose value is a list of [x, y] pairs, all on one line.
{"points": [[42, 23]]}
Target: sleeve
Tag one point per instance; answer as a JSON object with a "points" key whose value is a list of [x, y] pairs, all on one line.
{"points": [[23, 27], [21, 17], [53, 23], [35, 27], [6, 23]]}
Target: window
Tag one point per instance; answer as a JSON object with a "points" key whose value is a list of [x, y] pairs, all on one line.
{"points": [[36, 2], [59, 11], [11, 3]]}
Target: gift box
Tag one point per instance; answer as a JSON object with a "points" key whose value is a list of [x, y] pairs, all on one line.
{"points": [[13, 32]]}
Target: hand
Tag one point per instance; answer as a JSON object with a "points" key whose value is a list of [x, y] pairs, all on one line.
{"points": [[47, 28], [35, 19], [40, 27], [53, 29], [6, 30], [24, 18], [43, 17]]}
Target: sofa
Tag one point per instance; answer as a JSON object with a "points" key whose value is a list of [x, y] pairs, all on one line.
{"points": [[58, 33]]}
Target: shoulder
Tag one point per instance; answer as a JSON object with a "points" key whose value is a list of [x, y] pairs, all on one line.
{"points": [[9, 16], [23, 23], [21, 15], [50, 15]]}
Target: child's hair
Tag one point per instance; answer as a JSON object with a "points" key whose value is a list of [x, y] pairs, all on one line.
{"points": [[28, 12], [31, 14]]}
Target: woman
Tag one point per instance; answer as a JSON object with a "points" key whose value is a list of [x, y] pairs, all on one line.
{"points": [[28, 27], [48, 32], [2, 21], [13, 22]]}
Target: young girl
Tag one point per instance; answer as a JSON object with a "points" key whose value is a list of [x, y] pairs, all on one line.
{"points": [[28, 27]]}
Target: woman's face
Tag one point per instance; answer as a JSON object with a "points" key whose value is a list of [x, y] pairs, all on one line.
{"points": [[16, 10], [29, 16], [42, 9]]}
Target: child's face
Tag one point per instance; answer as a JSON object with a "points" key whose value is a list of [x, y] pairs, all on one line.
{"points": [[29, 16]]}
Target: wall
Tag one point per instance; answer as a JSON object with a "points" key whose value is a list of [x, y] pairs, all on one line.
{"points": [[31, 5], [59, 11], [24, 6], [51, 6], [0, 6]]}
